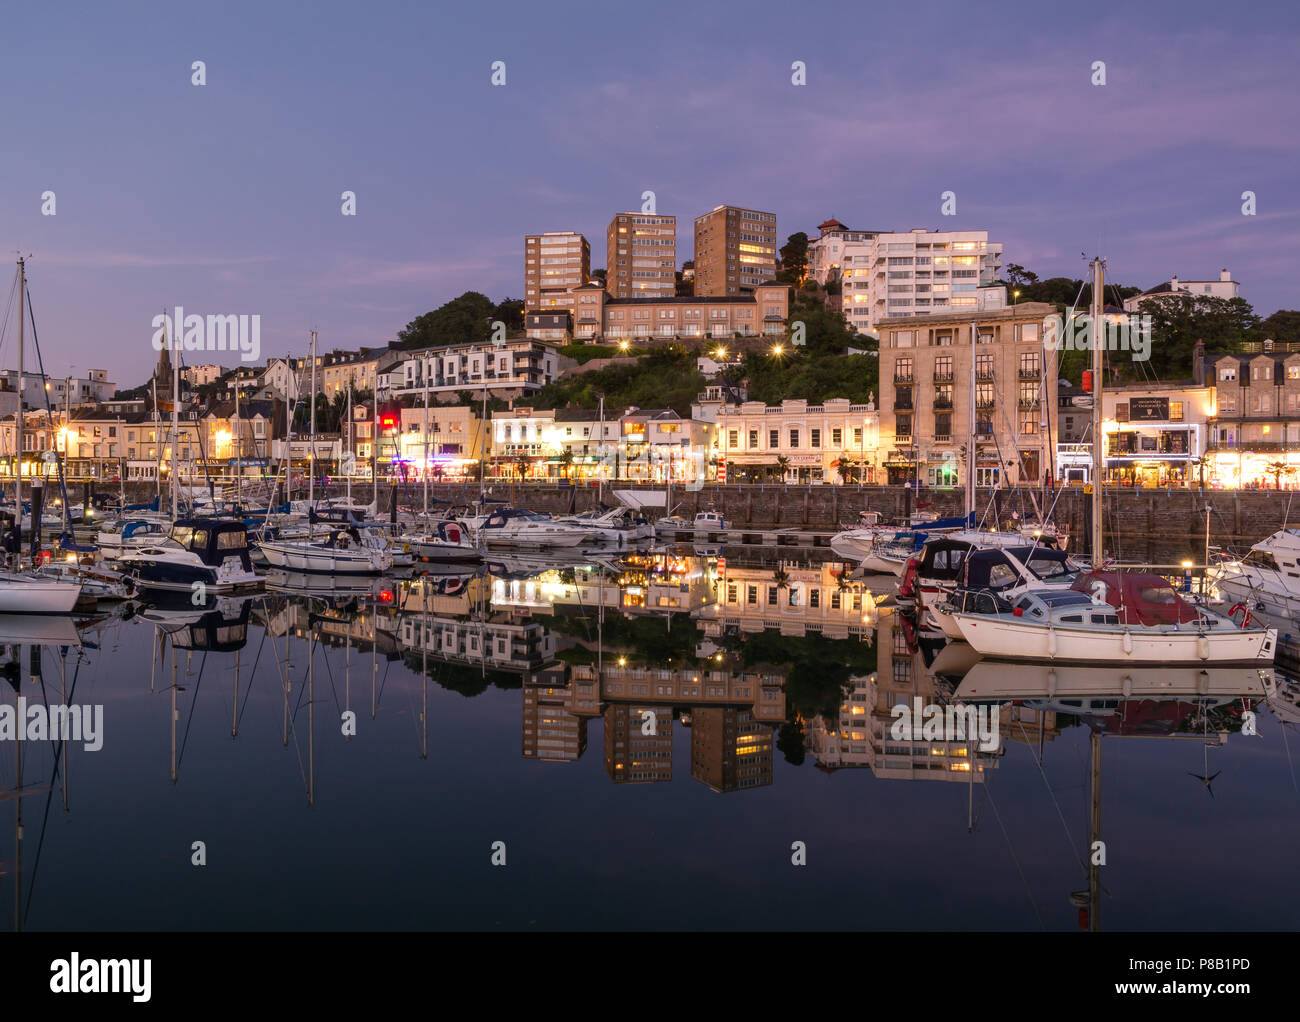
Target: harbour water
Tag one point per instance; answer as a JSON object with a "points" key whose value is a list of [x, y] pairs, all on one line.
{"points": [[660, 741]]}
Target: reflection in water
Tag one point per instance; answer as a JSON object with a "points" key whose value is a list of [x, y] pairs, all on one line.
{"points": [[735, 676]]}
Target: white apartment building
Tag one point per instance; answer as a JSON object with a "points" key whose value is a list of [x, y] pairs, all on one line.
{"points": [[60, 390], [510, 370], [1225, 287], [918, 273], [826, 253]]}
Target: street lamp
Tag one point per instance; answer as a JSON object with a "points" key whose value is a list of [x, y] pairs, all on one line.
{"points": [[776, 350]]}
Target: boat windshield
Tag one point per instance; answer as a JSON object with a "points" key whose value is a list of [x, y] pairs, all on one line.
{"points": [[1048, 567], [1067, 598]]}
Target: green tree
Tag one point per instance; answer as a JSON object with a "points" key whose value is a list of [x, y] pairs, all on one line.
{"points": [[794, 260], [1283, 325], [467, 318], [1179, 321], [510, 311]]}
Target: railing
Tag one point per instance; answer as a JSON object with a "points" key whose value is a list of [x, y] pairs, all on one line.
{"points": [[903, 406], [943, 376], [941, 403], [1028, 402], [1029, 374], [983, 374], [903, 377]]}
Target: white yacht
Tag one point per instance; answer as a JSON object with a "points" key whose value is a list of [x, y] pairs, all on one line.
{"points": [[619, 526], [23, 593], [1266, 580], [520, 527], [448, 541], [343, 550], [131, 533], [993, 577], [1111, 617]]}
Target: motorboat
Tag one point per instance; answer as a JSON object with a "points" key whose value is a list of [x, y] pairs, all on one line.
{"points": [[704, 521], [619, 526], [1267, 579], [446, 541], [345, 549], [1112, 617], [198, 555], [947, 566], [520, 527], [131, 533]]}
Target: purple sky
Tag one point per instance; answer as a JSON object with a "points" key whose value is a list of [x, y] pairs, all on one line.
{"points": [[226, 198]]}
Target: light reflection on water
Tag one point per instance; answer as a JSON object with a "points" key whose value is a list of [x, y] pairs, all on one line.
{"points": [[649, 736]]}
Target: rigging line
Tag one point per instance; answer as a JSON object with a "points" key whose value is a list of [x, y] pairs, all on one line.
{"points": [[1048, 784], [239, 720], [190, 719], [40, 362], [9, 305], [49, 798], [988, 795]]}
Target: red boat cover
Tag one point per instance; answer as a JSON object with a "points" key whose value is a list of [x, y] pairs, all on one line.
{"points": [[1140, 598]]}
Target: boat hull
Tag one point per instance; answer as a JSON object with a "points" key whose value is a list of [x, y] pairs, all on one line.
{"points": [[1013, 639], [311, 559]]}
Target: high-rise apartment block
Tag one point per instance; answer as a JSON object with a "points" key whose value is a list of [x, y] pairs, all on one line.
{"points": [[735, 251], [641, 256], [919, 273], [554, 264]]}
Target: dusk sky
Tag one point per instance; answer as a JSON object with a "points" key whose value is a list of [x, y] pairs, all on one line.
{"points": [[225, 198]]}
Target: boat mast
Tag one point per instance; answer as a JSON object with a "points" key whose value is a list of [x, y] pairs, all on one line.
{"points": [[176, 432], [350, 459], [239, 449], [311, 452], [1098, 440], [600, 472], [970, 424], [18, 441], [425, 467]]}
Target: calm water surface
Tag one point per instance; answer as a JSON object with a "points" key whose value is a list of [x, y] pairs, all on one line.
{"points": [[648, 737]]}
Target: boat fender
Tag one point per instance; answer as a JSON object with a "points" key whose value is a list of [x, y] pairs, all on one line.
{"points": [[1051, 684], [1128, 641], [1127, 687], [1051, 641], [1203, 647]]}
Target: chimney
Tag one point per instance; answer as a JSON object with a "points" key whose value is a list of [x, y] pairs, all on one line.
{"points": [[1198, 362], [1173, 283], [1224, 275]]}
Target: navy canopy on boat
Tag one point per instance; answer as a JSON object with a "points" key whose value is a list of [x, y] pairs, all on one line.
{"points": [[213, 539]]}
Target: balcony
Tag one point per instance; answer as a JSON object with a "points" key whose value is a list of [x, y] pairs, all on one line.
{"points": [[983, 372], [985, 404], [943, 376], [1028, 402], [942, 404], [903, 376], [1029, 372], [903, 405]]}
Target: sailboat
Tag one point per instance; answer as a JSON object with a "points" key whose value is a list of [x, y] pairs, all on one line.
{"points": [[23, 592], [350, 547]]}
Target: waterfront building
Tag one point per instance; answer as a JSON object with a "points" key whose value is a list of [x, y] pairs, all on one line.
{"points": [[735, 251], [1155, 433], [449, 443], [641, 256], [919, 273], [927, 365], [795, 442], [1254, 424]]}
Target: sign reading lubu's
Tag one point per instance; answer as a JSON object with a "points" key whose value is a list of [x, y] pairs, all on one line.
{"points": [[1148, 409]]}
